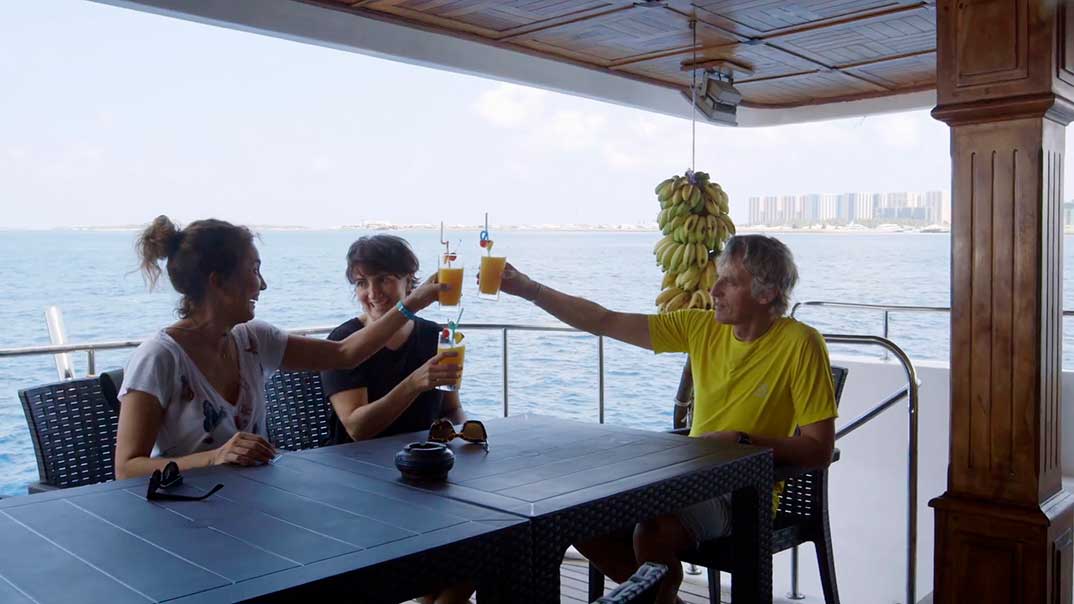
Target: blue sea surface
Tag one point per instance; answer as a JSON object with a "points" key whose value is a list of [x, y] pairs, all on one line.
{"points": [[92, 277]]}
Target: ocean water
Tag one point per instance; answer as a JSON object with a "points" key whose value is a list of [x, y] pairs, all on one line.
{"points": [[91, 276]]}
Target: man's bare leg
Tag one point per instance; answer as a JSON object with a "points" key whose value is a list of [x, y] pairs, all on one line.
{"points": [[613, 554], [454, 594], [662, 540]]}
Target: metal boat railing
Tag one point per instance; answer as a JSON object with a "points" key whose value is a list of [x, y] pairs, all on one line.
{"points": [[909, 392], [886, 309], [66, 371]]}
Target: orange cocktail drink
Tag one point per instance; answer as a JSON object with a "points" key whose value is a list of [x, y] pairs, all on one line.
{"points": [[450, 274], [460, 350], [490, 277], [452, 277]]}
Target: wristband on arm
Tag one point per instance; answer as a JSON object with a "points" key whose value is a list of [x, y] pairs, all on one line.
{"points": [[406, 312]]}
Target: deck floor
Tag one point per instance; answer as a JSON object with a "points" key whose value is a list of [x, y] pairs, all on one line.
{"points": [[574, 585], [574, 582]]}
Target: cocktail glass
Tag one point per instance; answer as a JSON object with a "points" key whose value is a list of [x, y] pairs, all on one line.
{"points": [[490, 277], [446, 344], [450, 273]]}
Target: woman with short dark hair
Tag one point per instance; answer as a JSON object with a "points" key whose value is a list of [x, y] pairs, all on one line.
{"points": [[394, 390], [195, 391]]}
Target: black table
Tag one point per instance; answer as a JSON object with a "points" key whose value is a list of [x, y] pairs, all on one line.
{"points": [[575, 481], [292, 530]]}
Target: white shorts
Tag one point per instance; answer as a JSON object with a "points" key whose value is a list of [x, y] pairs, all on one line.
{"points": [[708, 520]]}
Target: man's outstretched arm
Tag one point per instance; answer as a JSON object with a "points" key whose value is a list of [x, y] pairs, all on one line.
{"points": [[579, 313]]}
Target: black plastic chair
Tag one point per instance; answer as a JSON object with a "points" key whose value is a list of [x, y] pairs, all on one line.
{"points": [[297, 410], [111, 381], [639, 588], [73, 429], [802, 517]]}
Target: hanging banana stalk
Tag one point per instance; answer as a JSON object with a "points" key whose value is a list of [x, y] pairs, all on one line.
{"points": [[695, 223]]}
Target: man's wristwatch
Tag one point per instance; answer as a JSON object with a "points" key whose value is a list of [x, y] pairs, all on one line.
{"points": [[744, 439]]}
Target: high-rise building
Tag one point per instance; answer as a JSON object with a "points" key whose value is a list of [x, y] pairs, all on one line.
{"points": [[897, 200], [770, 210], [756, 214], [788, 209], [810, 204], [861, 206], [937, 206], [829, 208]]}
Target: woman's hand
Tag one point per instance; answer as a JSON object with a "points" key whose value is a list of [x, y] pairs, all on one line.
{"points": [[425, 294], [517, 283], [435, 373], [244, 449]]}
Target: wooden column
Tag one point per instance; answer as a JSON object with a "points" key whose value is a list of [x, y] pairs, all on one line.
{"points": [[1004, 76]]}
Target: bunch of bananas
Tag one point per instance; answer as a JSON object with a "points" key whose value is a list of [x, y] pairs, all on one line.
{"points": [[695, 222]]}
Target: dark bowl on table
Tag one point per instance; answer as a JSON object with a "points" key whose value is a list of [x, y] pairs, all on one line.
{"points": [[425, 461]]}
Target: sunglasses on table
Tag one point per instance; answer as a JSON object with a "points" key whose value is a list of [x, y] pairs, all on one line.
{"points": [[473, 431], [170, 477]]}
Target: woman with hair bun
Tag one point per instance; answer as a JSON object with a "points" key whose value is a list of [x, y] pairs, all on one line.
{"points": [[195, 391]]}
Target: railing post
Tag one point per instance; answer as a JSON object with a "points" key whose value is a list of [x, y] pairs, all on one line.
{"points": [[91, 362], [911, 491], [912, 393], [794, 595], [57, 334], [600, 378], [504, 357], [887, 323]]}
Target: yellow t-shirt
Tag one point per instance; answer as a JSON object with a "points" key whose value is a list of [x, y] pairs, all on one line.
{"points": [[768, 387]]}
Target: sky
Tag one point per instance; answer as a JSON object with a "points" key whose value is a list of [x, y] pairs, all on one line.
{"points": [[110, 117]]}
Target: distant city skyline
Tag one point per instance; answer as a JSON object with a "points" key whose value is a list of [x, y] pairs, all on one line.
{"points": [[803, 209]]}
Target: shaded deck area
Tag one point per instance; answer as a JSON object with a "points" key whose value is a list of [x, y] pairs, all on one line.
{"points": [[574, 581]]}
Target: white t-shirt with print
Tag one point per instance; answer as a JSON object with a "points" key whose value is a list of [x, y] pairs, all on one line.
{"points": [[196, 417]]}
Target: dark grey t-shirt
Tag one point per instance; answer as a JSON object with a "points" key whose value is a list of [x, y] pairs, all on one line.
{"points": [[384, 371]]}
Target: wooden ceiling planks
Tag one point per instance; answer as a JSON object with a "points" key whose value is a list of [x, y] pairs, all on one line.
{"points": [[625, 35], [866, 40], [766, 63], [916, 71], [813, 88], [765, 17], [800, 52]]}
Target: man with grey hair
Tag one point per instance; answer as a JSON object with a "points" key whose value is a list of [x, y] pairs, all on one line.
{"points": [[759, 378]]}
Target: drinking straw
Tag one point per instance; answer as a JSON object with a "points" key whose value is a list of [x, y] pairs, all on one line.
{"points": [[486, 242], [446, 244], [454, 325]]}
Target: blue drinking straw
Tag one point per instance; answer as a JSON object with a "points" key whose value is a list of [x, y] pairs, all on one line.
{"points": [[453, 325]]}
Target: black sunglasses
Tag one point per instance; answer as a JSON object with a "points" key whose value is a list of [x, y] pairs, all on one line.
{"points": [[171, 477], [473, 431]]}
